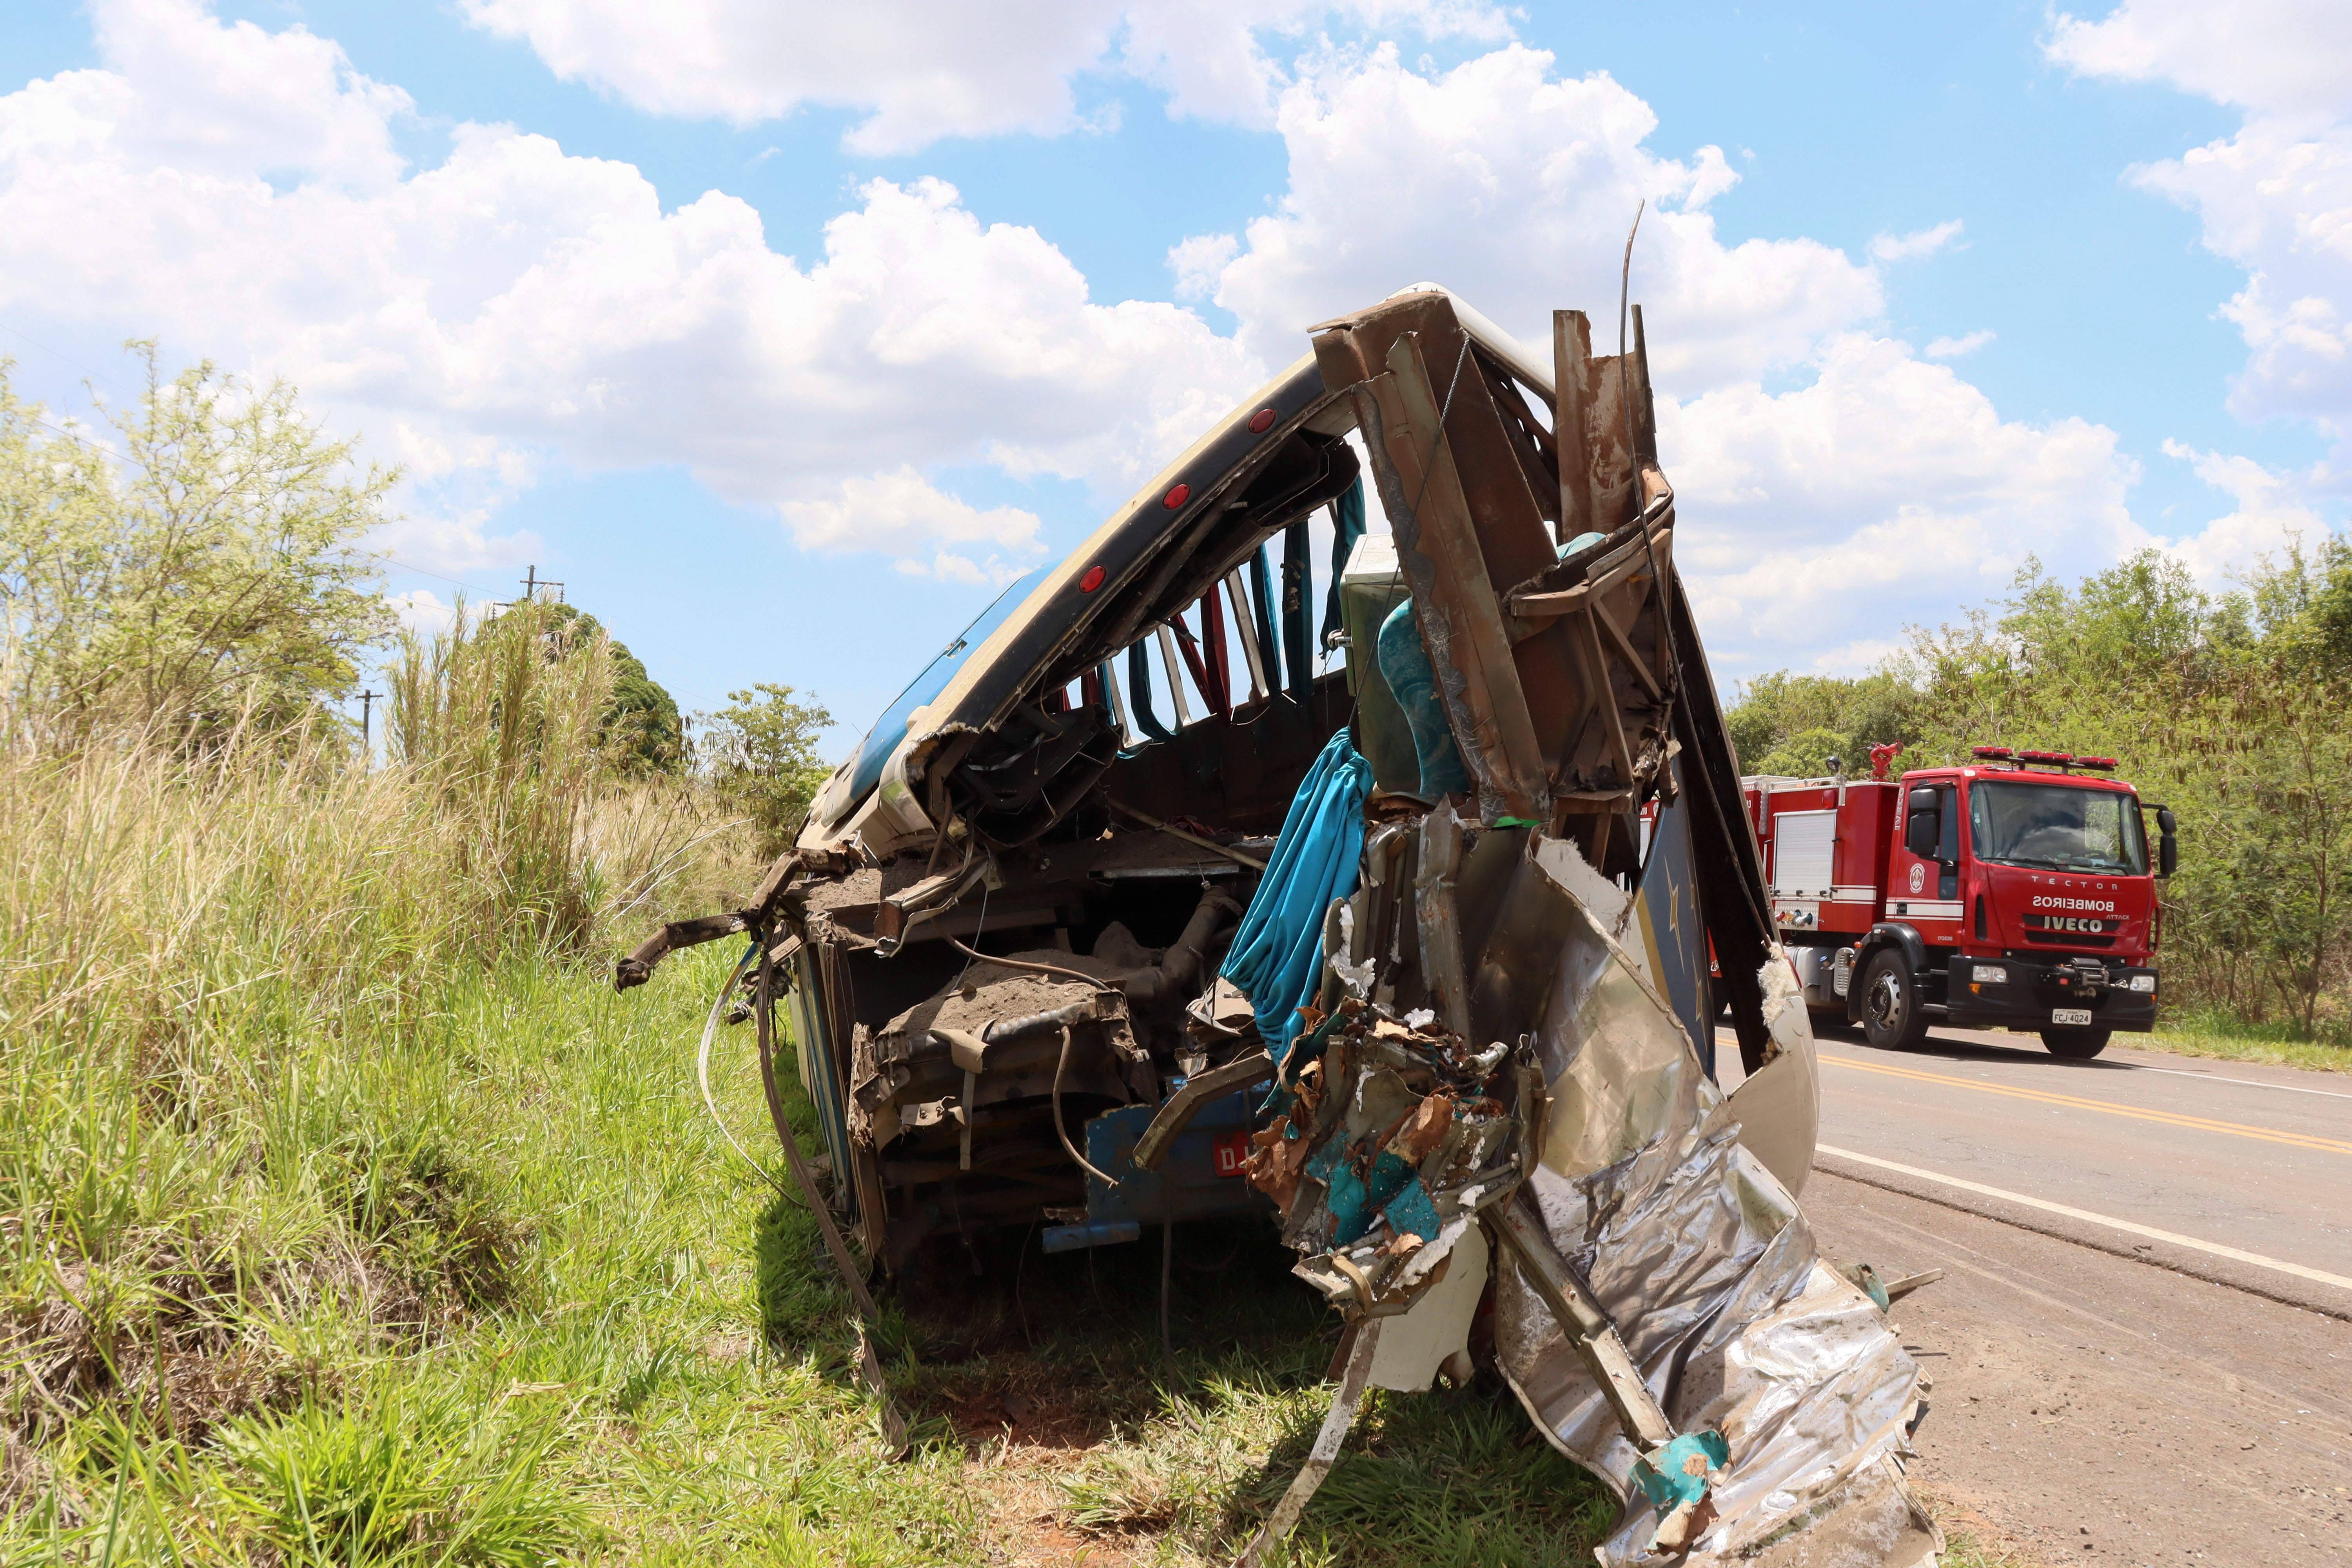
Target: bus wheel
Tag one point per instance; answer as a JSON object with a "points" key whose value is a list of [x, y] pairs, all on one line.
{"points": [[2081, 1044], [1892, 1018]]}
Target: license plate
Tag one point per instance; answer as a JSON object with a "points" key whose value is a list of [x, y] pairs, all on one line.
{"points": [[1232, 1147], [2079, 1017]]}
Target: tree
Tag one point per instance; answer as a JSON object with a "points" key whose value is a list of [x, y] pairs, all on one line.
{"points": [[1800, 720], [640, 731], [761, 751], [205, 568], [1806, 754]]}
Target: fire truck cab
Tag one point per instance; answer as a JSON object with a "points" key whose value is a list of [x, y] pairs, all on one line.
{"points": [[2015, 892]]}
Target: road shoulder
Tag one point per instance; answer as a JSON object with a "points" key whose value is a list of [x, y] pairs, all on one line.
{"points": [[2098, 1408]]}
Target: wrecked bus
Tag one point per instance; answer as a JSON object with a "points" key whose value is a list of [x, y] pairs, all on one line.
{"points": [[1126, 913]]}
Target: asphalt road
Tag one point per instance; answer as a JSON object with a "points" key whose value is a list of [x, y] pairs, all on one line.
{"points": [[2142, 1345]]}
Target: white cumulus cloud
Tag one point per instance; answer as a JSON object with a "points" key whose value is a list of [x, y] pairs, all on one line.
{"points": [[2276, 197], [1391, 169], [235, 193], [904, 515], [2273, 510], [1959, 347], [922, 69], [1916, 244], [1815, 522], [508, 305], [1884, 493], [423, 611], [2279, 205], [2281, 57]]}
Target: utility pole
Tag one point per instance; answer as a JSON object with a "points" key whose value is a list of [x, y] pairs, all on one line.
{"points": [[532, 583], [367, 709]]}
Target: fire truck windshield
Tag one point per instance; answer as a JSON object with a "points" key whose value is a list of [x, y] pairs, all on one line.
{"points": [[2057, 828]]}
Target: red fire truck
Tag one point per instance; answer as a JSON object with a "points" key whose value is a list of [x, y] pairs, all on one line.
{"points": [[2012, 893]]}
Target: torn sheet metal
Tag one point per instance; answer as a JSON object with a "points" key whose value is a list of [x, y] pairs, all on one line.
{"points": [[1699, 1254]]}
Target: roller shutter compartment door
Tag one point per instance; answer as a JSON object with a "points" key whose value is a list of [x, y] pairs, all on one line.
{"points": [[1804, 854]]}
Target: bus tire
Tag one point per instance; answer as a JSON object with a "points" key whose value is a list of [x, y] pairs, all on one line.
{"points": [[2076, 1044], [1891, 1018]]}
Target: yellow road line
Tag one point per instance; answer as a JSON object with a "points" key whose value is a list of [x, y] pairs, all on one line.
{"points": [[2322, 1276], [2169, 1119]]}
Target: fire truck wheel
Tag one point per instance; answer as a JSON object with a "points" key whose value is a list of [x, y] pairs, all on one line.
{"points": [[2082, 1044], [1892, 1018]]}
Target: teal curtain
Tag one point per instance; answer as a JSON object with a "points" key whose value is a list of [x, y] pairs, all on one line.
{"points": [[1274, 957]]}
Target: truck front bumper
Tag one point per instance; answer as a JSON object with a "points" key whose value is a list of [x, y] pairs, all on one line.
{"points": [[2024, 994]]}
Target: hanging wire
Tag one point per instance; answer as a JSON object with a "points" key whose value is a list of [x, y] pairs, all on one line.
{"points": [[80, 440], [703, 1068]]}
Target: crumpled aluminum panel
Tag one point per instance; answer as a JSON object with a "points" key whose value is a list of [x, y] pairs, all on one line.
{"points": [[1701, 1258]]}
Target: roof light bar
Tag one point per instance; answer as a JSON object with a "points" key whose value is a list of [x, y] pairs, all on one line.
{"points": [[2104, 765], [1992, 753], [2052, 759]]}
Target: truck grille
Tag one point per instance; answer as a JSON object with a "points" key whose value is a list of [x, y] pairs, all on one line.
{"points": [[2071, 930]]}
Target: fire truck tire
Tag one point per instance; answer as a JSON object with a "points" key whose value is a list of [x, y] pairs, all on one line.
{"points": [[2081, 1044], [1891, 1018]]}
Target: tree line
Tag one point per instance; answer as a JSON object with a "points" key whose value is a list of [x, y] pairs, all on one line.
{"points": [[2226, 706]]}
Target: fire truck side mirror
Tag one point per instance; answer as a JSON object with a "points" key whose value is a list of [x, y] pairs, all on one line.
{"points": [[1923, 824], [2168, 842]]}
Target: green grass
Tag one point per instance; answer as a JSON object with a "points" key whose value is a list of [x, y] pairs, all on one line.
{"points": [[348, 1217], [2216, 1034], [498, 1293], [493, 1295]]}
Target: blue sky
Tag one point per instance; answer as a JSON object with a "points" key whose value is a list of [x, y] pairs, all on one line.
{"points": [[782, 335]]}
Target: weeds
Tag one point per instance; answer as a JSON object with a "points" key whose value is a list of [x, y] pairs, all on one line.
{"points": [[415, 1473], [2213, 1032]]}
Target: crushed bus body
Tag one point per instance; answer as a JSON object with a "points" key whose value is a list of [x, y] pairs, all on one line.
{"points": [[1124, 915]]}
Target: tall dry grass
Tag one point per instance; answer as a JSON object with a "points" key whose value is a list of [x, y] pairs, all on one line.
{"points": [[237, 1155]]}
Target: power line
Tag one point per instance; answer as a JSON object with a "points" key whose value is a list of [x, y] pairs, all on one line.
{"points": [[385, 555], [438, 576], [75, 362], [68, 435]]}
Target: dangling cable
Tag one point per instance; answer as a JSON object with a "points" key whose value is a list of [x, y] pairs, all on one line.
{"points": [[764, 1011], [1061, 1128], [869, 1366], [1167, 1269], [702, 1066]]}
